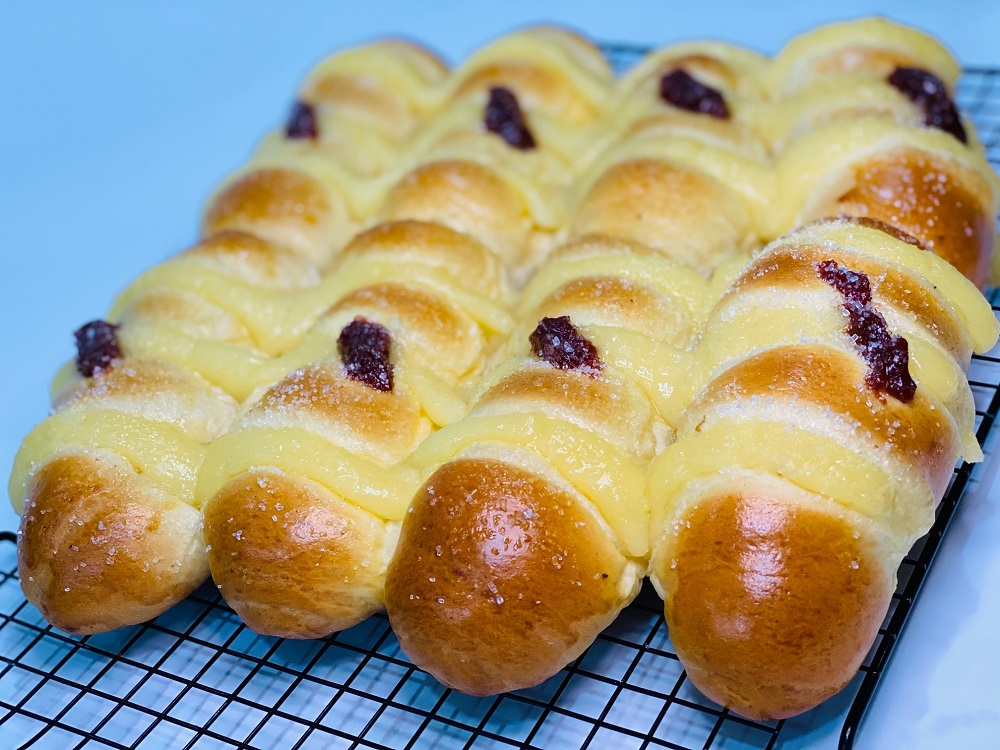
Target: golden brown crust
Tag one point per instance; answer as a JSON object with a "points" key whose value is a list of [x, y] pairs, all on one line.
{"points": [[291, 558], [368, 93], [603, 405], [771, 607], [424, 244], [383, 108], [623, 303], [153, 390], [253, 259], [500, 577], [687, 215], [915, 433], [99, 549], [795, 268], [942, 205], [185, 311], [285, 206], [466, 197], [390, 425]]}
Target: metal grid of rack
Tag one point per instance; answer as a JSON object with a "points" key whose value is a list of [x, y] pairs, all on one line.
{"points": [[196, 677]]}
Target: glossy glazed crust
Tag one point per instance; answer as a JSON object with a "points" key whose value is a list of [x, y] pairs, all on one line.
{"points": [[291, 558], [437, 332], [772, 604], [922, 181], [895, 286], [152, 390], [948, 208], [915, 435], [501, 577], [624, 302], [101, 548], [379, 425], [109, 536], [430, 244], [623, 416]]}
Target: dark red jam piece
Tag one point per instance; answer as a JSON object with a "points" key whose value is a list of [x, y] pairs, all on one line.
{"points": [[886, 355], [504, 117], [558, 342], [302, 124], [679, 88], [364, 350], [96, 347], [853, 286], [928, 92]]}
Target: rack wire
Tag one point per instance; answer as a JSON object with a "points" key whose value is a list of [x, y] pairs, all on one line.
{"points": [[196, 677]]}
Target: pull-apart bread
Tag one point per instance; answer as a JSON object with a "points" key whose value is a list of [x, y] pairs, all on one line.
{"points": [[487, 346]]}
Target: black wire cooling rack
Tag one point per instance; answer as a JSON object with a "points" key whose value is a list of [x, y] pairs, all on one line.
{"points": [[196, 677]]}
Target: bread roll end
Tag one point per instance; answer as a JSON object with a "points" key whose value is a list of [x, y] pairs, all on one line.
{"points": [[100, 549], [501, 577], [772, 605], [293, 559]]}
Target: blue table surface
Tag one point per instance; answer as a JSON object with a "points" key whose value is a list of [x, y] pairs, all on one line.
{"points": [[117, 120]]}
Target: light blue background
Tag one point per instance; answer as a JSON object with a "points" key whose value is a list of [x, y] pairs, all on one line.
{"points": [[116, 120]]}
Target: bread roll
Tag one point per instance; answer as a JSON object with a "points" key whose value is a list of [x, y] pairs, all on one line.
{"points": [[528, 530], [834, 407], [109, 534]]}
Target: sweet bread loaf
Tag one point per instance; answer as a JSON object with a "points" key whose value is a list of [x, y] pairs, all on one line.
{"points": [[530, 527], [835, 406]]}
